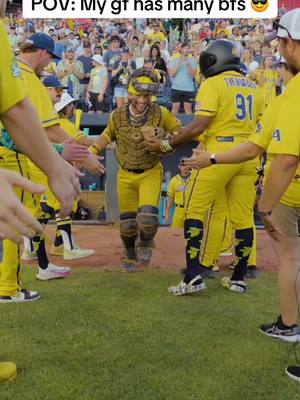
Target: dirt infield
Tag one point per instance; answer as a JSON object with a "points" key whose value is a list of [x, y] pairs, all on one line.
{"points": [[168, 253]]}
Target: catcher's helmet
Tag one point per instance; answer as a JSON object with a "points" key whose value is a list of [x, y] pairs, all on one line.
{"points": [[220, 56], [143, 82]]}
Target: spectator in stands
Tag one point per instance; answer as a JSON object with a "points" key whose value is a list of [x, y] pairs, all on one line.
{"points": [[86, 60], [257, 52], [121, 72], [164, 51], [247, 60], [156, 35], [113, 53], [70, 71], [157, 61], [97, 85], [183, 70]]}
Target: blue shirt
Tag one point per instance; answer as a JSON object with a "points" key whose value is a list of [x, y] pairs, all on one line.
{"points": [[183, 81]]}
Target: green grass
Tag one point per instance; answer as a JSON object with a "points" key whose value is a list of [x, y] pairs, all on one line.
{"points": [[107, 335]]}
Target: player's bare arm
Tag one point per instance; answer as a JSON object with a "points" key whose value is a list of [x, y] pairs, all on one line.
{"points": [[243, 152]]}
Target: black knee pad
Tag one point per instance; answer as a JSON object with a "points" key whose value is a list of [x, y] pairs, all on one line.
{"points": [[148, 221], [128, 224]]}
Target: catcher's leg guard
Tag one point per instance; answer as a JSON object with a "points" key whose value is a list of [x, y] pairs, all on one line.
{"points": [[129, 233], [148, 223]]}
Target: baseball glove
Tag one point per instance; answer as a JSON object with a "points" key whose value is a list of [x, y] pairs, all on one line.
{"points": [[149, 132]]}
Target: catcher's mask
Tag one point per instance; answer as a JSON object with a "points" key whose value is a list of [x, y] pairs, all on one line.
{"points": [[143, 82]]}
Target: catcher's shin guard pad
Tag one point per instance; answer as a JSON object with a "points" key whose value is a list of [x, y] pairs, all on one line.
{"points": [[129, 232], [148, 223], [128, 224]]}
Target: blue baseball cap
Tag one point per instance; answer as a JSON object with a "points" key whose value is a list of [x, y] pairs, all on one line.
{"points": [[51, 81], [43, 42]]}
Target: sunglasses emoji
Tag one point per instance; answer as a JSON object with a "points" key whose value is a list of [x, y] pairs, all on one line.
{"points": [[259, 5]]}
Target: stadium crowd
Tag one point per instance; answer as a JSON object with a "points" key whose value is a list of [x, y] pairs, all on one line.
{"points": [[98, 55]]}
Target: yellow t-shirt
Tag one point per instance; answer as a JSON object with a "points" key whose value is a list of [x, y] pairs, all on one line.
{"points": [[269, 136], [235, 102], [41, 101], [12, 89], [70, 128], [156, 37], [168, 123], [177, 189]]}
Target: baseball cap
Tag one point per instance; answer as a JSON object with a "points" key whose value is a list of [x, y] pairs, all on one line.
{"points": [[51, 81], [44, 42], [65, 100], [98, 58], [125, 50], [288, 26], [70, 49]]}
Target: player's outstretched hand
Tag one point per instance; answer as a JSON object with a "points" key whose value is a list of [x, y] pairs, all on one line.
{"points": [[15, 220], [93, 165], [64, 183], [199, 159], [74, 152]]}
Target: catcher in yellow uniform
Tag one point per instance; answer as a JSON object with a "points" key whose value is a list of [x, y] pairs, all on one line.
{"points": [[140, 171], [228, 108]]}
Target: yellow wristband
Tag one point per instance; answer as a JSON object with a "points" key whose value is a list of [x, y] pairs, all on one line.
{"points": [[79, 136], [94, 149]]}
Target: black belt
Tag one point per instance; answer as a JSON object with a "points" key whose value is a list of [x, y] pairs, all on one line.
{"points": [[136, 171], [179, 205]]}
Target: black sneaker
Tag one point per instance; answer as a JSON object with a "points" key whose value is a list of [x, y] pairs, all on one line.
{"points": [[279, 331], [207, 272], [293, 372], [251, 272]]}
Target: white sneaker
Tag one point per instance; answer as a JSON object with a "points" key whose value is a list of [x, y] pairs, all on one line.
{"points": [[77, 252], [23, 295], [234, 286], [195, 285], [28, 255], [52, 272]]}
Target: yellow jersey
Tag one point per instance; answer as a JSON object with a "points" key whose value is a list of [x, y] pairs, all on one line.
{"points": [[41, 101], [69, 128], [12, 89], [177, 189], [269, 136], [234, 101]]}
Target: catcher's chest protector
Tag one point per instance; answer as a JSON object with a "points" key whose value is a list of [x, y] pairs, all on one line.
{"points": [[131, 152]]}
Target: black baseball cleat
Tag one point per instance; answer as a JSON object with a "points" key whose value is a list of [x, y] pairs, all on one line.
{"points": [[293, 371], [251, 272]]}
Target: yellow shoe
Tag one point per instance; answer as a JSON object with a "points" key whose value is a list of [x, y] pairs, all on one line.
{"points": [[28, 255], [215, 267], [57, 250], [77, 253], [8, 371]]}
